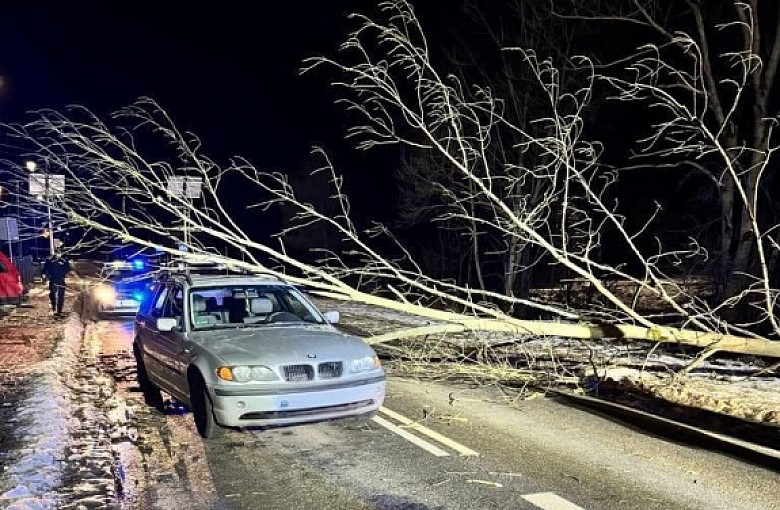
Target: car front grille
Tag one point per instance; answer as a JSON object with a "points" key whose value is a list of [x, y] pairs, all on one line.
{"points": [[330, 370], [298, 372]]}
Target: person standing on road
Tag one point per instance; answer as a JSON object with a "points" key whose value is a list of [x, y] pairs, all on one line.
{"points": [[55, 269]]}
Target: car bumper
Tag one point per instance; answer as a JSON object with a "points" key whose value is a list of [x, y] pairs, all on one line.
{"points": [[255, 409], [118, 308]]}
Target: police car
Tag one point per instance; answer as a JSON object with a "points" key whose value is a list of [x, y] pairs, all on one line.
{"points": [[123, 286]]}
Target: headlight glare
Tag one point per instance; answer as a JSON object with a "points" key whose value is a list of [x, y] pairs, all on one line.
{"points": [[105, 293]]}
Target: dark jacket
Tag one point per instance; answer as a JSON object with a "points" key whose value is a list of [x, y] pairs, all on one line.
{"points": [[55, 268]]}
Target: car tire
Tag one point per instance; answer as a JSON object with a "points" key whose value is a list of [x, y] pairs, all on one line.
{"points": [[203, 410], [152, 394]]}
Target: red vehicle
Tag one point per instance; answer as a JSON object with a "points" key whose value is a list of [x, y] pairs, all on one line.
{"points": [[11, 288]]}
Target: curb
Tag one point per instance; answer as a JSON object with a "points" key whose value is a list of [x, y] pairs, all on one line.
{"points": [[676, 430]]}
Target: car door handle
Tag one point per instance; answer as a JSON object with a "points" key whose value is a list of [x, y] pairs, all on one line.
{"points": [[185, 350]]}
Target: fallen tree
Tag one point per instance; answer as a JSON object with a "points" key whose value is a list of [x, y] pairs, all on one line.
{"points": [[125, 195]]}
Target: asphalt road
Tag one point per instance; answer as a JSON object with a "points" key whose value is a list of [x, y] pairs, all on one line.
{"points": [[433, 447]]}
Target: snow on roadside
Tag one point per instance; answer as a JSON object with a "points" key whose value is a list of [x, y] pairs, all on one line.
{"points": [[44, 423], [728, 385]]}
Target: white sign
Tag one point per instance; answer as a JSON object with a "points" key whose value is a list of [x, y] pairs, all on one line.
{"points": [[47, 184], [9, 230], [189, 187]]}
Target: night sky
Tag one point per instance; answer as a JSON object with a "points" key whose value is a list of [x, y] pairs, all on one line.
{"points": [[227, 71]]}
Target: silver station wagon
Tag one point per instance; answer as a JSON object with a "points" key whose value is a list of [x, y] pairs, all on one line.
{"points": [[250, 351]]}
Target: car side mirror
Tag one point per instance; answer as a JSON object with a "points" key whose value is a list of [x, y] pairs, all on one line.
{"points": [[332, 317], [167, 324]]}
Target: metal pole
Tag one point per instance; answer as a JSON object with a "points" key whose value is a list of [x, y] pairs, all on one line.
{"points": [[186, 229], [48, 214], [19, 241]]}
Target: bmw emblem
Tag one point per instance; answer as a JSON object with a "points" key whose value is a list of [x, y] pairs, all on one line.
{"points": [[311, 356]]}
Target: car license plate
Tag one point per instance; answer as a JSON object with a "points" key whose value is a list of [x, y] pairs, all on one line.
{"points": [[313, 399]]}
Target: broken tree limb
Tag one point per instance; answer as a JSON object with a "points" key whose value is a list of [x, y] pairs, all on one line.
{"points": [[457, 323]]}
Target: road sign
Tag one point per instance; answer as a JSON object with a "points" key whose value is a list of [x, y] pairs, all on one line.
{"points": [[47, 184], [189, 187], [9, 230]]}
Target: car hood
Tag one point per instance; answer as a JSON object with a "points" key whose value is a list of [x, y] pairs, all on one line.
{"points": [[281, 345]]}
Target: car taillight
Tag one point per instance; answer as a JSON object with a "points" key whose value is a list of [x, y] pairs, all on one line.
{"points": [[19, 281]]}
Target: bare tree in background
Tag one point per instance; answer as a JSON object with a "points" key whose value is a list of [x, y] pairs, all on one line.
{"points": [[500, 262], [708, 71]]}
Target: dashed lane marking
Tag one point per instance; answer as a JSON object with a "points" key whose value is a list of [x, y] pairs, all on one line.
{"points": [[409, 424], [550, 501], [422, 443]]}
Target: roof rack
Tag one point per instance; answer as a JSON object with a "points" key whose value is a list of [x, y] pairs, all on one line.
{"points": [[210, 268]]}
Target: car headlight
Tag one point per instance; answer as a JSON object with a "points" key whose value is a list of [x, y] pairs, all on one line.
{"points": [[364, 364], [105, 293], [244, 373], [261, 373]]}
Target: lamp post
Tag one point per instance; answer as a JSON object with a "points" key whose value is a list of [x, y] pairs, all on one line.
{"points": [[46, 185]]}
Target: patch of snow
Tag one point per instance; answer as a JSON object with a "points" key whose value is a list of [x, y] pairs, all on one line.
{"points": [[44, 424]]}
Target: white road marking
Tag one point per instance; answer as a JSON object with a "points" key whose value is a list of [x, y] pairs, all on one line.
{"points": [[422, 443], [463, 450], [550, 501]]}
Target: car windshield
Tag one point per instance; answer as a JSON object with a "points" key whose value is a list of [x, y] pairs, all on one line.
{"points": [[232, 306]]}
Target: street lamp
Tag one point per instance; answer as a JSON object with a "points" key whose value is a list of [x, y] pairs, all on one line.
{"points": [[46, 185]]}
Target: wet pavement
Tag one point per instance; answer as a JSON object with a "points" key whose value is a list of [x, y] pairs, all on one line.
{"points": [[136, 456], [122, 454], [118, 452]]}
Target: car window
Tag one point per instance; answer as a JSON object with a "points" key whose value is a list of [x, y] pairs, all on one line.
{"points": [[159, 303], [174, 305], [149, 299], [242, 305]]}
